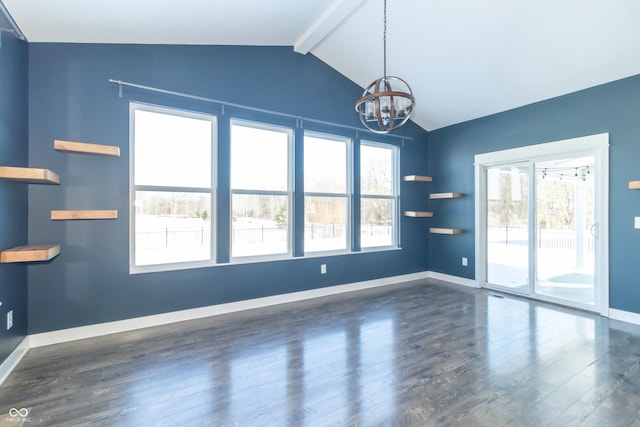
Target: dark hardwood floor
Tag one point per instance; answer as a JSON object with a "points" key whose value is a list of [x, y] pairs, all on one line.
{"points": [[419, 354]]}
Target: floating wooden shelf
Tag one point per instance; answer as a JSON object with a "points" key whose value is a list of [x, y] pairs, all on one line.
{"points": [[445, 231], [445, 195], [29, 253], [83, 214], [418, 214], [416, 178], [84, 148], [29, 175], [634, 185]]}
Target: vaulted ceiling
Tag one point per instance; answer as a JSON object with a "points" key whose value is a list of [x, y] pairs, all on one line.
{"points": [[464, 59]]}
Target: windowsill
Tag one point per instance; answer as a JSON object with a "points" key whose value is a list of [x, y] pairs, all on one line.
{"points": [[320, 254], [258, 259], [159, 268]]}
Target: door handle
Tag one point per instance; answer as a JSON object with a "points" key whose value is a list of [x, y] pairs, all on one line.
{"points": [[595, 228]]}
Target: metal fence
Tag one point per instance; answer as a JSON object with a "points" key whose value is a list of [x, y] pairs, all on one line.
{"points": [[324, 231], [546, 238], [261, 234], [168, 237]]}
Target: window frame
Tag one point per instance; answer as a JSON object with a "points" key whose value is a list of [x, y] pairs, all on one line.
{"points": [[347, 195], [289, 192], [394, 197], [133, 188]]}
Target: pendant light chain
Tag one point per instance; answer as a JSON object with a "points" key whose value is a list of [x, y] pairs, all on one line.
{"points": [[384, 39], [387, 103]]}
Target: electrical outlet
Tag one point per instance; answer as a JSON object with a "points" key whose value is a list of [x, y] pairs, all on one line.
{"points": [[465, 262], [9, 320], [323, 269], [636, 222]]}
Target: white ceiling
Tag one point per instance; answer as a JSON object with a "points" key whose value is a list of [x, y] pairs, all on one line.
{"points": [[464, 59]]}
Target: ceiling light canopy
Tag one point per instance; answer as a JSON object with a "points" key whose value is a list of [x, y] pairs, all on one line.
{"points": [[387, 103]]}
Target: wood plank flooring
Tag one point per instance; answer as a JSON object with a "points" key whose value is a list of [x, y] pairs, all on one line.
{"points": [[420, 354]]}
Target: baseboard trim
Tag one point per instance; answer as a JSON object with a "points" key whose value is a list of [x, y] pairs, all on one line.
{"points": [[453, 279], [91, 331], [14, 358], [624, 316]]}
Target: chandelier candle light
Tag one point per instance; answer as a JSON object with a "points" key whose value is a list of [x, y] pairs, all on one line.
{"points": [[387, 103]]}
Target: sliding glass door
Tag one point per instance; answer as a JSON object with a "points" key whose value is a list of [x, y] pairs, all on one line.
{"points": [[508, 227], [566, 229], [540, 222]]}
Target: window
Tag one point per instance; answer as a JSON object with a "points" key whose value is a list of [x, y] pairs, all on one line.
{"points": [[326, 197], [172, 186], [260, 189], [378, 195], [174, 193]]}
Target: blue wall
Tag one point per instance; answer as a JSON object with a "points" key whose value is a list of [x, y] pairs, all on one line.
{"points": [[13, 196], [612, 108], [69, 98]]}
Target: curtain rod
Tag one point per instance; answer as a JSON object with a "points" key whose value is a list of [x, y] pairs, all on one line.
{"points": [[121, 83], [14, 27]]}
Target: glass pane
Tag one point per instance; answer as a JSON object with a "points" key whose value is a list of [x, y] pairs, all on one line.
{"points": [[171, 150], [325, 165], [325, 223], [565, 222], [172, 227], [507, 227], [376, 222], [259, 158], [259, 225], [376, 170]]}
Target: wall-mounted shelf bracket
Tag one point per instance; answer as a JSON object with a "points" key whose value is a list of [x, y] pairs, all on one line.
{"points": [[445, 231], [418, 214], [83, 214], [29, 253], [421, 178], [445, 195], [29, 175], [84, 148]]}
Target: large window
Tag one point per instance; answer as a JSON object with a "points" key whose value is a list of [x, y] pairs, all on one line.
{"points": [[260, 189], [175, 192], [378, 195], [326, 199], [172, 186]]}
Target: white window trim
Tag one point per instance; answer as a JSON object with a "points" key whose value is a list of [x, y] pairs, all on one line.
{"points": [[599, 144], [133, 268], [288, 193], [395, 197], [348, 194]]}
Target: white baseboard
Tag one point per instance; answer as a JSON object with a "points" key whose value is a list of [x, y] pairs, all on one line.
{"points": [[90, 331], [453, 279], [14, 358], [624, 316]]}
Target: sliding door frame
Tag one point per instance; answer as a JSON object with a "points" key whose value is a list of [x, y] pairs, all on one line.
{"points": [[595, 144]]}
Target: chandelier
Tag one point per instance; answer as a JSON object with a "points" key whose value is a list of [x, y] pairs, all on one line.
{"points": [[387, 103]]}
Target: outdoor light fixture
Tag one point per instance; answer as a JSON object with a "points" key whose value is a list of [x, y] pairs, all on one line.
{"points": [[387, 103]]}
